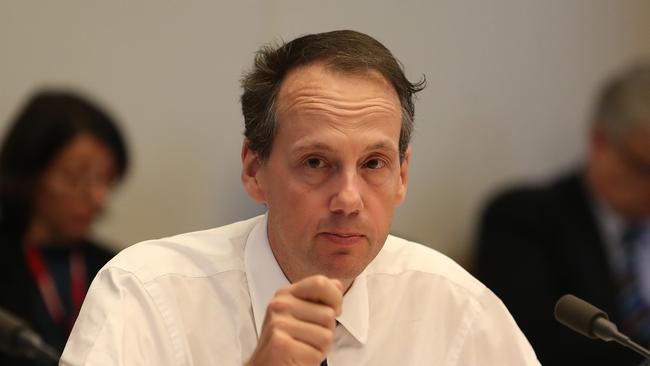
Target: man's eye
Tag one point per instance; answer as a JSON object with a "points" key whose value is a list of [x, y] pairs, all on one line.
{"points": [[375, 164], [315, 163]]}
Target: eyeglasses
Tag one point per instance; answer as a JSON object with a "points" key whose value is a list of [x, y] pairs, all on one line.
{"points": [[79, 181], [635, 161]]}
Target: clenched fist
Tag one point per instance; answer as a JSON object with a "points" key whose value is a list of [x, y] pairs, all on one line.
{"points": [[299, 324]]}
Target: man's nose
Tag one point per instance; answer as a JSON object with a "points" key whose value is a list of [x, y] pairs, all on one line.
{"points": [[347, 198]]}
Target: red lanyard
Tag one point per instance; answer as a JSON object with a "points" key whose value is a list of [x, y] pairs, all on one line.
{"points": [[47, 288]]}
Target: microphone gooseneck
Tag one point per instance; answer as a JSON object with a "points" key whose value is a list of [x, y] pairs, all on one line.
{"points": [[592, 322], [16, 338]]}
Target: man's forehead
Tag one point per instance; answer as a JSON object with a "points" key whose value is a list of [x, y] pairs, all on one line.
{"points": [[312, 74], [315, 89], [317, 107]]}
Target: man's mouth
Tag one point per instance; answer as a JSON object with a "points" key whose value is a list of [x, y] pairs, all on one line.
{"points": [[343, 238]]}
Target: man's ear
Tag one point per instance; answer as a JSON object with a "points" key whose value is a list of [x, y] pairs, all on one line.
{"points": [[598, 139], [403, 176], [250, 173]]}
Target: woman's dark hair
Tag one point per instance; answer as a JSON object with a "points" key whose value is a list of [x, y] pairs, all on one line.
{"points": [[42, 128], [343, 50]]}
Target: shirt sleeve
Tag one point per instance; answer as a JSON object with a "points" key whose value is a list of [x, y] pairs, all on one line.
{"points": [[121, 323], [493, 338]]}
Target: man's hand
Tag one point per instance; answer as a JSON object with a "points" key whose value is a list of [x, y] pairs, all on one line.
{"points": [[299, 324]]}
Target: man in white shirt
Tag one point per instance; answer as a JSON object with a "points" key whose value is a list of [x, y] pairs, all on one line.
{"points": [[317, 279]]}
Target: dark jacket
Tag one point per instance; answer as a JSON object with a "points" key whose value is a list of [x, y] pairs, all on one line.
{"points": [[19, 293], [536, 244]]}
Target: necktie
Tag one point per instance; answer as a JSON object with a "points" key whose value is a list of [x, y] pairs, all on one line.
{"points": [[635, 312], [324, 363]]}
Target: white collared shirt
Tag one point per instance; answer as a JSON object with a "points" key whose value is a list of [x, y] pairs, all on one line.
{"points": [[200, 299]]}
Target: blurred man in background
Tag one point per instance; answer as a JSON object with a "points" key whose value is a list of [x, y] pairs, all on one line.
{"points": [[588, 233]]}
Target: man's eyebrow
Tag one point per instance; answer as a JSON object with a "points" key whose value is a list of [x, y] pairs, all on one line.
{"points": [[382, 145], [311, 146], [319, 146]]}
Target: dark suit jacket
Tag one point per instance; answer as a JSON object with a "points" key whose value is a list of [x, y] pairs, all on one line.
{"points": [[536, 244], [19, 293]]}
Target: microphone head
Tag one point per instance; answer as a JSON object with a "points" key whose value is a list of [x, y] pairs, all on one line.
{"points": [[10, 326], [9, 323], [578, 315], [17, 339]]}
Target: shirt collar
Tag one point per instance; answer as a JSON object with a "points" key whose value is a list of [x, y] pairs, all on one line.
{"points": [[355, 316], [614, 225], [265, 277], [262, 271]]}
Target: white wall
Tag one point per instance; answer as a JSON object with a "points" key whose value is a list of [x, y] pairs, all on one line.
{"points": [[510, 84]]}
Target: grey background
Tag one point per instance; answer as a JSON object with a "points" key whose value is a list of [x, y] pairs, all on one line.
{"points": [[510, 88]]}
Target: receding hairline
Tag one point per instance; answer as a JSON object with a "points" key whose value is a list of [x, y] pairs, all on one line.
{"points": [[320, 66]]}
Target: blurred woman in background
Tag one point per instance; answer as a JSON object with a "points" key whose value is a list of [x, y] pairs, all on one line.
{"points": [[59, 162]]}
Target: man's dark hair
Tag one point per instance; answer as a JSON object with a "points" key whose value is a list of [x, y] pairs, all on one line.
{"points": [[343, 50], [42, 128]]}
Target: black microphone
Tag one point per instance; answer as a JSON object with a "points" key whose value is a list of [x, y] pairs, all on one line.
{"points": [[17, 339], [592, 322]]}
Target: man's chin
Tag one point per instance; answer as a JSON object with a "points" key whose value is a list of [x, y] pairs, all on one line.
{"points": [[343, 268]]}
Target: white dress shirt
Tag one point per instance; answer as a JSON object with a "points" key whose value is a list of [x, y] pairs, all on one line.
{"points": [[200, 299]]}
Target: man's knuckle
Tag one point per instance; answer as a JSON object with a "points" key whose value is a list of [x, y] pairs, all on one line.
{"points": [[329, 315], [278, 305], [321, 280]]}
